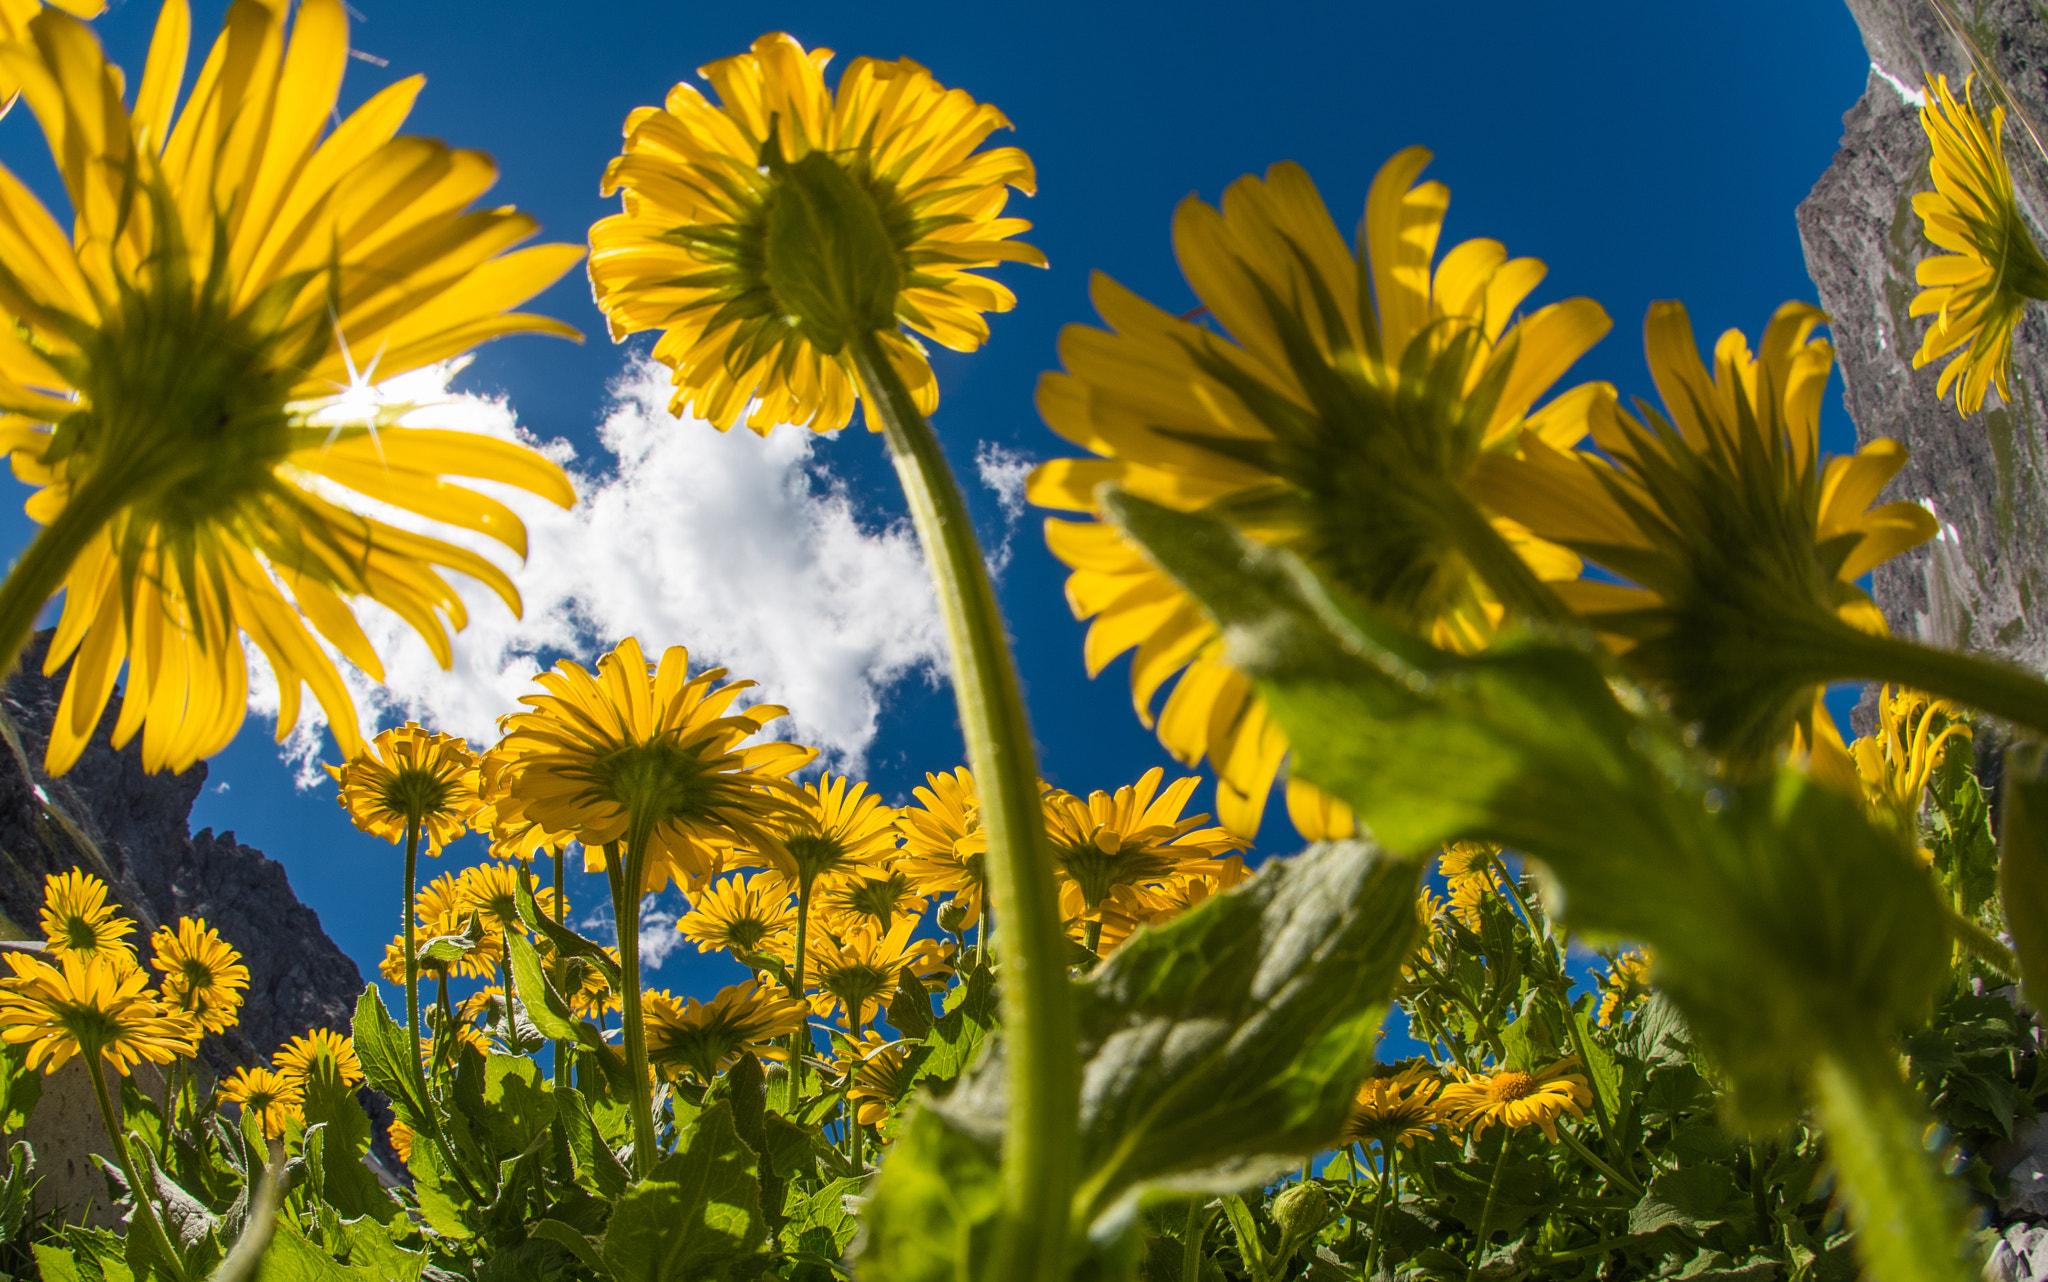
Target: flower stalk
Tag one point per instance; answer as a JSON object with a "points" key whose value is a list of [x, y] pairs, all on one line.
{"points": [[1038, 1020], [625, 888], [145, 1209]]}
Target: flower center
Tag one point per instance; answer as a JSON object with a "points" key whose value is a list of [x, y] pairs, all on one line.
{"points": [[417, 794], [81, 934], [1097, 871], [815, 854], [831, 265], [658, 781], [1511, 1085]]}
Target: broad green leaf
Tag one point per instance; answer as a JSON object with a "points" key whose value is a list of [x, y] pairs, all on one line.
{"points": [[575, 1243], [441, 1199], [821, 1224], [387, 1055], [518, 1104], [2023, 864], [1602, 1070], [20, 1087], [696, 1216], [293, 1258], [567, 941], [1692, 1197], [544, 1006], [959, 1030], [346, 1183], [374, 1257], [1217, 1051], [598, 1169]]}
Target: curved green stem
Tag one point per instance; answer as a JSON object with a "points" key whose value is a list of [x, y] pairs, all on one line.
{"points": [[145, 1209], [800, 1040], [625, 884], [1909, 1221], [1041, 1132], [1486, 1209], [1981, 944], [1838, 652]]}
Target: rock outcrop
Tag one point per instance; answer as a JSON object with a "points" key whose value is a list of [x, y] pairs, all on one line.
{"points": [[1983, 584], [107, 816]]}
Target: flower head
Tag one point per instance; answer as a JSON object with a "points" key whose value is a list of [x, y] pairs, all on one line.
{"points": [[491, 891], [878, 1073], [89, 1004], [266, 1096], [760, 233], [650, 753], [704, 1038], [754, 915], [188, 378], [1133, 837], [321, 1054], [1977, 291], [837, 831], [1515, 1098], [858, 972], [1627, 980], [1397, 1109], [944, 847], [876, 900], [1732, 531], [1340, 406], [1471, 870], [78, 919], [408, 776], [203, 974], [1894, 764]]}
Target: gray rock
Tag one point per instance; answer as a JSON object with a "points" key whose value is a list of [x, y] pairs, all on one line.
{"points": [[1980, 584], [2021, 1255]]}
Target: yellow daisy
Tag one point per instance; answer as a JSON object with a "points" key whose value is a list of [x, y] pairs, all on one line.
{"points": [[719, 242], [410, 778], [1626, 982], [203, 974], [1399, 1108], [1894, 765], [945, 850], [705, 1038], [78, 919], [857, 973], [188, 378], [318, 1052], [14, 19], [1134, 837], [1516, 1099], [266, 1096], [1340, 406], [501, 817], [491, 891], [1471, 869], [754, 915], [1740, 544], [402, 1137], [875, 900], [581, 984], [1977, 291], [90, 1005], [878, 1072]]}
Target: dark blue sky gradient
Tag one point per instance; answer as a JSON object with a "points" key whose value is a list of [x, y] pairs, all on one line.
{"points": [[1643, 151]]}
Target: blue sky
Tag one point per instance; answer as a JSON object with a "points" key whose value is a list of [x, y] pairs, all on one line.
{"points": [[1644, 152]]}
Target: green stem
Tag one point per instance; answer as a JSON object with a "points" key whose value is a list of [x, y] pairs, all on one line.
{"points": [[1573, 1143], [1041, 1132], [41, 571], [1834, 651], [1199, 1219], [1381, 1196], [1091, 936], [412, 960], [561, 1047], [145, 1209], [1486, 1209], [625, 883], [846, 1101], [1981, 944], [1909, 1223], [799, 1041]]}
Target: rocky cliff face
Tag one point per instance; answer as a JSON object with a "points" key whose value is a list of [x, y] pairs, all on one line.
{"points": [[131, 829], [1983, 584]]}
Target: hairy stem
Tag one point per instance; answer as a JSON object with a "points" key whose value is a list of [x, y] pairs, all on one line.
{"points": [[625, 883], [1041, 1134], [145, 1209]]}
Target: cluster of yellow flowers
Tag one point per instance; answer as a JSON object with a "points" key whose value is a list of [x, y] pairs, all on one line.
{"points": [[1407, 1105], [274, 1097]]}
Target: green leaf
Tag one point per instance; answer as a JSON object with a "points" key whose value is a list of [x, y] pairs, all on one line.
{"points": [[957, 1033], [1692, 1197], [575, 1243], [566, 941], [441, 1199], [346, 1183], [820, 1224], [2023, 864], [387, 1056], [374, 1257], [1218, 1050], [518, 1104], [1602, 1069], [696, 1216], [20, 1087], [910, 1010], [292, 1257], [598, 1168], [544, 1006]]}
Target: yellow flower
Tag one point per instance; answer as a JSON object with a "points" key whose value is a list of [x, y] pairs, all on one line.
{"points": [[1471, 870], [410, 776], [651, 753], [1134, 837], [1340, 407], [266, 1096], [402, 1140], [944, 848], [584, 986], [1397, 1109], [750, 916], [78, 919], [878, 1073], [321, 1053], [491, 891], [203, 974], [15, 16], [188, 378], [1741, 545], [857, 973], [89, 1004], [1978, 291], [875, 900], [1894, 765], [1516, 1099], [1628, 979], [837, 831], [702, 1039], [442, 908], [720, 244]]}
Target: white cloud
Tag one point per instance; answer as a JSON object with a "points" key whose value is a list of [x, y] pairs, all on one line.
{"points": [[746, 550], [658, 934], [1004, 470]]}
